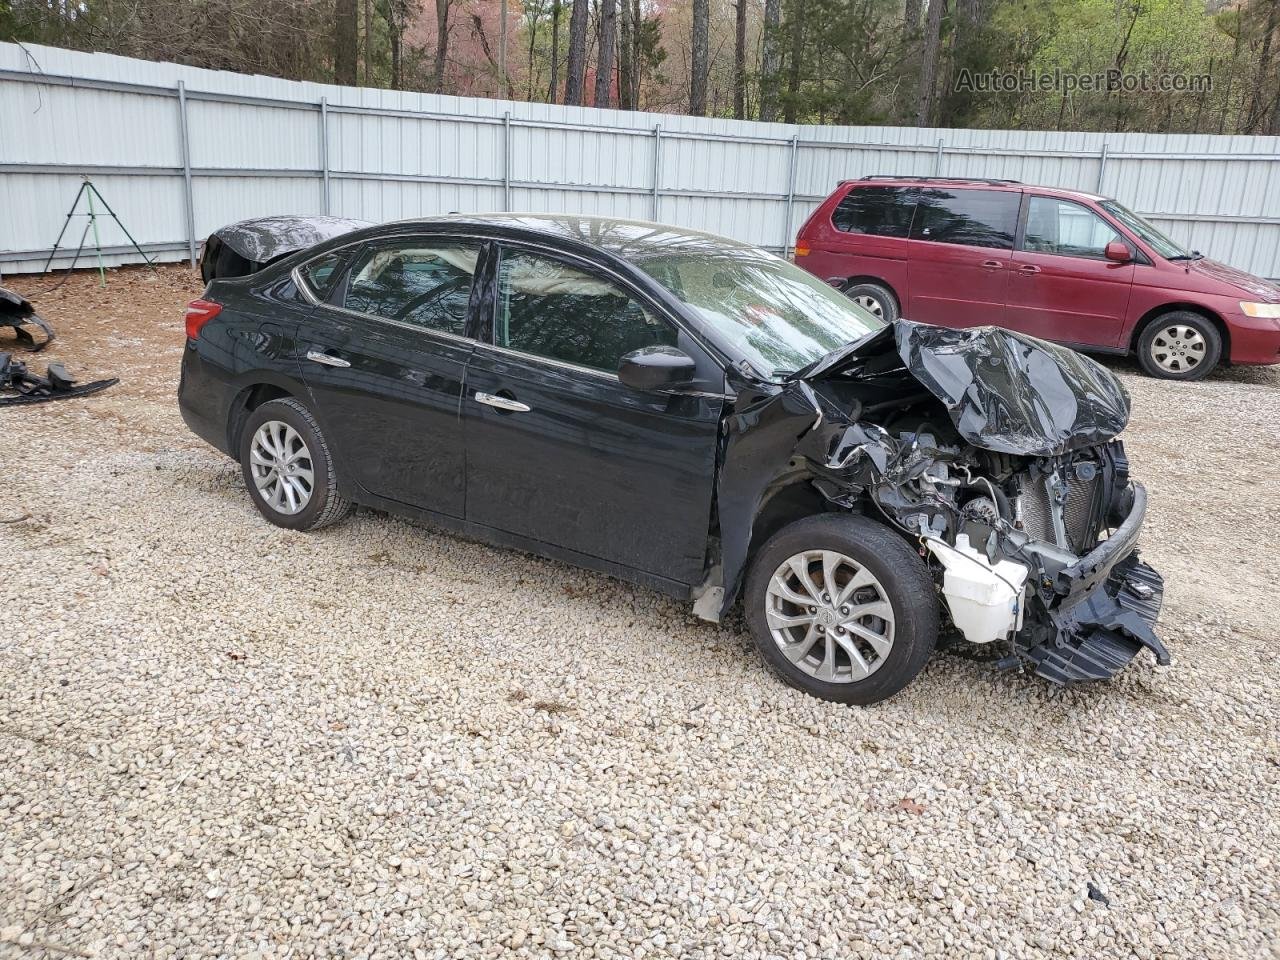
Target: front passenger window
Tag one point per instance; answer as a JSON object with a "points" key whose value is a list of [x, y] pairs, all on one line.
{"points": [[549, 309], [1066, 229], [415, 281]]}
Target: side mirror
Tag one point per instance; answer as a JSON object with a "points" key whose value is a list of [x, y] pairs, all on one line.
{"points": [[1118, 251], [656, 368]]}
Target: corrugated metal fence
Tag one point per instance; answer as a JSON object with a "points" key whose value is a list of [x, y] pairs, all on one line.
{"points": [[178, 151]]}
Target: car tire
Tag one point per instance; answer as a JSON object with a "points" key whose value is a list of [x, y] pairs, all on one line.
{"points": [[876, 567], [876, 299], [288, 469], [1179, 345]]}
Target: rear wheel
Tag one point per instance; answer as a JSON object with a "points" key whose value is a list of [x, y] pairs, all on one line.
{"points": [[876, 299], [287, 467], [842, 608], [1179, 345]]}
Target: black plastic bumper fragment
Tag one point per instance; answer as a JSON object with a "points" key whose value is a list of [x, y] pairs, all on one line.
{"points": [[29, 387], [1099, 636]]}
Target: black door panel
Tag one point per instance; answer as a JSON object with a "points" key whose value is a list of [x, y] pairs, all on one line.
{"points": [[592, 465], [392, 414]]}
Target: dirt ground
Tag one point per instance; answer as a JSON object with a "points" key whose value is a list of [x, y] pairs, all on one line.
{"points": [[222, 739]]}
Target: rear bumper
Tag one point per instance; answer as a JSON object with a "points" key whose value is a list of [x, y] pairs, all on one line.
{"points": [[204, 399]]}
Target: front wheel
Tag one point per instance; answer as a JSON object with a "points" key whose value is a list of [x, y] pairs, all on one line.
{"points": [[1179, 345], [842, 608], [287, 467]]}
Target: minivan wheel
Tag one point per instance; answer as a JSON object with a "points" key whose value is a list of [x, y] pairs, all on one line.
{"points": [[287, 467], [877, 300], [1180, 345], [842, 608]]}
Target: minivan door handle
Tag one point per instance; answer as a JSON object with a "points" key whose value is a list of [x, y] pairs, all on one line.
{"points": [[327, 359], [991, 264], [1028, 268], [502, 403]]}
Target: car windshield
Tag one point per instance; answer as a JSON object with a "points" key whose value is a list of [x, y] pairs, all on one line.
{"points": [[1162, 245], [774, 314]]}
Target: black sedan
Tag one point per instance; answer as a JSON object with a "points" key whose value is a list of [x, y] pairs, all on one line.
{"points": [[698, 416]]}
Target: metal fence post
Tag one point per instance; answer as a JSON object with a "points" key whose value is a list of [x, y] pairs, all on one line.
{"points": [[937, 160], [1102, 166], [324, 150], [506, 161], [657, 168], [186, 171], [791, 195]]}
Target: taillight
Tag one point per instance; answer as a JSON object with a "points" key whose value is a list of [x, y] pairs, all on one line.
{"points": [[802, 251], [200, 312]]}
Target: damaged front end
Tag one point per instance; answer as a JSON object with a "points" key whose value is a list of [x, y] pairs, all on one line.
{"points": [[993, 451]]}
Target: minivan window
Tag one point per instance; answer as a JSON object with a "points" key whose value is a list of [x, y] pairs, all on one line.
{"points": [[418, 281], [550, 309], [1066, 229], [1169, 249], [974, 218], [875, 211]]}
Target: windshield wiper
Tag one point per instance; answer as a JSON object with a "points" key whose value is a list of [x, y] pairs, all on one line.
{"points": [[1193, 255]]}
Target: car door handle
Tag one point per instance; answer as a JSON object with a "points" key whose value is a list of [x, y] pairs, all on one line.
{"points": [[991, 264], [502, 403], [327, 359], [1028, 268]]}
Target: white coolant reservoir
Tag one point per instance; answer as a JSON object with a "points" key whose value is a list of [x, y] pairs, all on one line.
{"points": [[985, 598]]}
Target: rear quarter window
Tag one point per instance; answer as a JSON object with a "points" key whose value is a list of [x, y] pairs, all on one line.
{"points": [[875, 211]]}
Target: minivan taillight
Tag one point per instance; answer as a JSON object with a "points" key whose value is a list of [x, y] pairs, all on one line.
{"points": [[200, 312]]}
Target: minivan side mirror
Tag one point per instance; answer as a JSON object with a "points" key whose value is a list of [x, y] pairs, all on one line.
{"points": [[1118, 251], [656, 368]]}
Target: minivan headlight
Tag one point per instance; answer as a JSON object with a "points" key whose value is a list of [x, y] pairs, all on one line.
{"points": [[1269, 310]]}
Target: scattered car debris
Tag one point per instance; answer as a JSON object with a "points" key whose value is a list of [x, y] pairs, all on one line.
{"points": [[240, 249], [20, 385], [1098, 895], [16, 311]]}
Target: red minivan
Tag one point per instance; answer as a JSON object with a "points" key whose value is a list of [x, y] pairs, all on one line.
{"points": [[1058, 264]]}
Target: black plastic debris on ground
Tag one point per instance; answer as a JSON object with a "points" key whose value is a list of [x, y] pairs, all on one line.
{"points": [[17, 312], [19, 385]]}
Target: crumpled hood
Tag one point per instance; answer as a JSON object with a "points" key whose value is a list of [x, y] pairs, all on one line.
{"points": [[1264, 290], [1004, 391], [267, 238]]}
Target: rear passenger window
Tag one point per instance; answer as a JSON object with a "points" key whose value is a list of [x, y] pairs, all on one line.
{"points": [[1067, 229], [320, 273], [875, 211], [550, 309], [974, 218], [415, 281]]}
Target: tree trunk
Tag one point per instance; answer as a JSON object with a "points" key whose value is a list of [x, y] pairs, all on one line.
{"points": [[346, 44], [368, 43], [929, 62], [608, 31], [554, 90], [576, 69], [770, 60], [626, 59], [396, 14], [700, 65], [1258, 108], [442, 44], [795, 18], [911, 18], [740, 61]]}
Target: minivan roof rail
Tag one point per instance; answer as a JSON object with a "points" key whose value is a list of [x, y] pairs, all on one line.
{"points": [[890, 176]]}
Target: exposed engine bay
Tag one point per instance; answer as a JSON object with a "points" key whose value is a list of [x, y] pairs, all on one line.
{"points": [[994, 453]]}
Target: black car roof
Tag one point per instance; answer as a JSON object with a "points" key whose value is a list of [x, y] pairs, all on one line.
{"points": [[628, 239]]}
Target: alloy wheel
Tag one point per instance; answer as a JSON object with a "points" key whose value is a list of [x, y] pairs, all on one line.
{"points": [[281, 467], [830, 616], [1178, 348]]}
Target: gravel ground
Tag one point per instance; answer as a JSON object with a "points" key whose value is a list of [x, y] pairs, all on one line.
{"points": [[222, 739]]}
